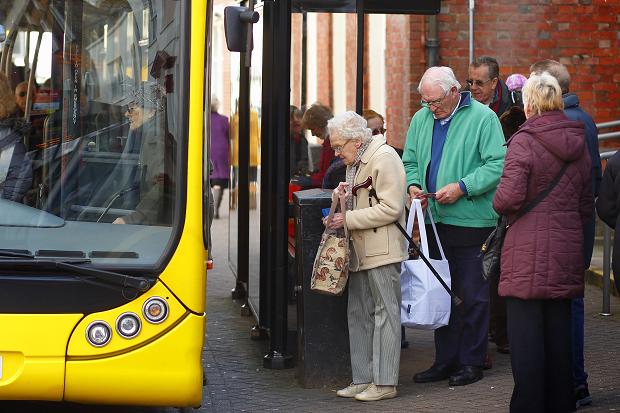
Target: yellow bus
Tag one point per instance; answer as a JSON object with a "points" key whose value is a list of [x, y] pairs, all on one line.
{"points": [[102, 251]]}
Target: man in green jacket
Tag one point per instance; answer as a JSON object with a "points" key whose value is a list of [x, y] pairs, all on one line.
{"points": [[454, 153]]}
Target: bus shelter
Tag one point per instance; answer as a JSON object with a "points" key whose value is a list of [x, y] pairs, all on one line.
{"points": [[261, 95]]}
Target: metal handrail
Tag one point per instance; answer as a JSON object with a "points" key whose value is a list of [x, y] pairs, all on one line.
{"points": [[605, 125], [606, 310]]}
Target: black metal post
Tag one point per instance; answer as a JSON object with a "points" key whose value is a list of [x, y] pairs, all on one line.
{"points": [[243, 221], [359, 81], [268, 147], [277, 358]]}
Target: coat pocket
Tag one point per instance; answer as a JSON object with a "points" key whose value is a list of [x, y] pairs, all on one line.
{"points": [[376, 242]]}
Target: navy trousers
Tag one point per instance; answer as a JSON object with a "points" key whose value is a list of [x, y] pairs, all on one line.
{"points": [[540, 353], [463, 342]]}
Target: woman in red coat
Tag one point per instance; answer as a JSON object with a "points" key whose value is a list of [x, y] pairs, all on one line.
{"points": [[542, 258]]}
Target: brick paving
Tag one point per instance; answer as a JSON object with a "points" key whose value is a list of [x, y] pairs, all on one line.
{"points": [[238, 382]]}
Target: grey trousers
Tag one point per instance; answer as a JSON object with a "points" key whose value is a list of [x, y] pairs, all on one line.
{"points": [[374, 325]]}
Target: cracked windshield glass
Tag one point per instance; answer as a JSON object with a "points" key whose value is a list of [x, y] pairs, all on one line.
{"points": [[89, 128]]}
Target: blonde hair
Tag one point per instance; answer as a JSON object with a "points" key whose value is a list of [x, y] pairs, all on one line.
{"points": [[7, 99], [542, 93]]}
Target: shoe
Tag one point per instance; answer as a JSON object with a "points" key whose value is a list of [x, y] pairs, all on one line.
{"points": [[435, 373], [582, 396], [488, 363], [503, 348], [352, 390], [374, 393], [466, 375]]}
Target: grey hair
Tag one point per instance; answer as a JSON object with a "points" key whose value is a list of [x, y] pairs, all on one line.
{"points": [[215, 104], [349, 125], [439, 75], [555, 69]]}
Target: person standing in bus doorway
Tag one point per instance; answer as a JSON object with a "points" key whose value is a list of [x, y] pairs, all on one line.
{"points": [[542, 255], [15, 169], [154, 175], [377, 250], [220, 155], [455, 149], [573, 111]]}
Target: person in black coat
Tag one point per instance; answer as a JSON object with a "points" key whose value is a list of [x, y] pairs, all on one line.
{"points": [[608, 208]]}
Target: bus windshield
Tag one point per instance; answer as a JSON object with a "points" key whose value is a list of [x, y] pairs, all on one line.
{"points": [[89, 128]]}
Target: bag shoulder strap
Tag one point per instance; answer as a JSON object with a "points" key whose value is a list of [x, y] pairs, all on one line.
{"points": [[542, 195]]}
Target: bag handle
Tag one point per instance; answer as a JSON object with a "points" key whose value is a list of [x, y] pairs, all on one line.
{"points": [[416, 210], [338, 200], [430, 216]]}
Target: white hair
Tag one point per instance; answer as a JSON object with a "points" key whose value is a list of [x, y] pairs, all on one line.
{"points": [[349, 125], [439, 75]]}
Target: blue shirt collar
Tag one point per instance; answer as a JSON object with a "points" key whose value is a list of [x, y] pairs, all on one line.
{"points": [[464, 100]]}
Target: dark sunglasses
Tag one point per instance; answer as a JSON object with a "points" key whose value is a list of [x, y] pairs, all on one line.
{"points": [[477, 82]]}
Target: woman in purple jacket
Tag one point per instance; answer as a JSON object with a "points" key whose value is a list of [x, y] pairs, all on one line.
{"points": [[220, 155], [542, 265]]}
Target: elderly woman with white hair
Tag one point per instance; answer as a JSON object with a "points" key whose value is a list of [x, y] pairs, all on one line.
{"points": [[542, 265], [377, 250]]}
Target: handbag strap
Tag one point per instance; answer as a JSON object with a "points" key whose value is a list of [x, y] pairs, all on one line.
{"points": [[541, 195], [339, 200]]}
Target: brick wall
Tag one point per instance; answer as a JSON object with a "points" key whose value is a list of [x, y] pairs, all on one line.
{"points": [[582, 34]]}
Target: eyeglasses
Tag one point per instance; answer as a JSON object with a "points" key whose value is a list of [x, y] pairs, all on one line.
{"points": [[339, 148], [436, 102], [478, 83]]}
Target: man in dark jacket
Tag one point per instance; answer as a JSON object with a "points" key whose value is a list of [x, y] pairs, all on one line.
{"points": [[486, 86], [574, 112], [608, 207]]}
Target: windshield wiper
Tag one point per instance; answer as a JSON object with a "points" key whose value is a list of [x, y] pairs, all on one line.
{"points": [[15, 254], [75, 266]]}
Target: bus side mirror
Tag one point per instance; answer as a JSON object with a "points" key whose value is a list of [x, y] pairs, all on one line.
{"points": [[2, 33], [236, 23]]}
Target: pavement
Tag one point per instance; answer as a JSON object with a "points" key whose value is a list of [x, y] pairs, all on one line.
{"points": [[237, 381]]}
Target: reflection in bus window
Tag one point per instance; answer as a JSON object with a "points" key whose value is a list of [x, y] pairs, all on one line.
{"points": [[95, 84]]}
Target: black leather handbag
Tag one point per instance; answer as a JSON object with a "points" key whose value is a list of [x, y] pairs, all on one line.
{"points": [[491, 250]]}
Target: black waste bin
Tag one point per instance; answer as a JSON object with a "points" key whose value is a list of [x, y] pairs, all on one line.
{"points": [[322, 330]]}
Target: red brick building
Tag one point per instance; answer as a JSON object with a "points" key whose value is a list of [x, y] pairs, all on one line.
{"points": [[582, 34]]}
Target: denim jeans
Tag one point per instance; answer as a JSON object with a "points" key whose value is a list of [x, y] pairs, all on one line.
{"points": [[580, 377]]}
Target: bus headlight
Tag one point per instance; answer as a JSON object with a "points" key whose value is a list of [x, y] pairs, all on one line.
{"points": [[98, 333], [155, 310], [128, 325]]}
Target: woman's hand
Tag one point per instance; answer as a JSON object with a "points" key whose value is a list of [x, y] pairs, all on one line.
{"points": [[337, 221]]}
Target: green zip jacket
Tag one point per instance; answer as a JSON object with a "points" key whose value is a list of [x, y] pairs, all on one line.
{"points": [[473, 153]]}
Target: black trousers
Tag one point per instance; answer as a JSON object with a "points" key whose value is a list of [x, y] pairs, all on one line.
{"points": [[540, 353]]}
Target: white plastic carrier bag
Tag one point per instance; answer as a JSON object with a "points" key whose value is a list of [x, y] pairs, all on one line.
{"points": [[425, 302]]}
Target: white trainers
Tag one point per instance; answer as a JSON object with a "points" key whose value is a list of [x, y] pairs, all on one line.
{"points": [[352, 390], [374, 393]]}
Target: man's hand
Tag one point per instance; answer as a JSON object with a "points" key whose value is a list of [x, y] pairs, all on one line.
{"points": [[415, 192], [449, 194]]}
